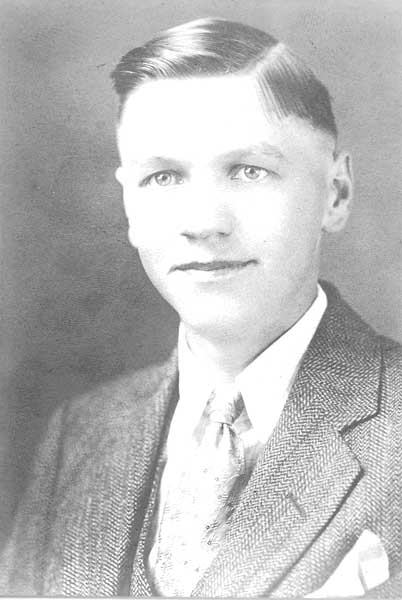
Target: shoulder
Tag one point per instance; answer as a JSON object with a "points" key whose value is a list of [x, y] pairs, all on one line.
{"points": [[346, 331], [78, 429], [344, 324], [116, 400], [366, 364]]}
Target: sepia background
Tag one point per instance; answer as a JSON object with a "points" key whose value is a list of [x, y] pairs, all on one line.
{"points": [[76, 307]]}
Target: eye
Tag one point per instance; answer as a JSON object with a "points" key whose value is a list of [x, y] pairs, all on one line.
{"points": [[163, 179], [250, 173]]}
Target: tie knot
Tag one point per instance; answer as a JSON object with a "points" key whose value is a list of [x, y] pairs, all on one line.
{"points": [[225, 404]]}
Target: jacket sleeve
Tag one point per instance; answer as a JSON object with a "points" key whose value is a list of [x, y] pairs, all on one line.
{"points": [[21, 563]]}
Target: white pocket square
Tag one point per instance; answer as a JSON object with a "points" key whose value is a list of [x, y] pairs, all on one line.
{"points": [[363, 568]]}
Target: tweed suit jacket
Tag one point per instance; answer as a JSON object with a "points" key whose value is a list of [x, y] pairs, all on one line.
{"points": [[331, 469]]}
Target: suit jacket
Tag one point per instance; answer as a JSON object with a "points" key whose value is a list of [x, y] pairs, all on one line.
{"points": [[331, 469]]}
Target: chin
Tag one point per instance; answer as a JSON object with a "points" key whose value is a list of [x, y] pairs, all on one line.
{"points": [[215, 323]]}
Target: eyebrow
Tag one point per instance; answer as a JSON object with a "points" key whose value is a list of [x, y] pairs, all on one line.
{"points": [[259, 148]]}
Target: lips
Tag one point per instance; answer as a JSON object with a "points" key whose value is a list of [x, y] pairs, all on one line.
{"points": [[214, 265]]}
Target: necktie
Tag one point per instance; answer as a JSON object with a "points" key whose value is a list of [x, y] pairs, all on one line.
{"points": [[200, 503]]}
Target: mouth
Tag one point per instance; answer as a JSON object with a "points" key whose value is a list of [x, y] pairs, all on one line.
{"points": [[214, 268]]}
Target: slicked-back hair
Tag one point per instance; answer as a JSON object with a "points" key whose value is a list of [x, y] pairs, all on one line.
{"points": [[218, 47]]}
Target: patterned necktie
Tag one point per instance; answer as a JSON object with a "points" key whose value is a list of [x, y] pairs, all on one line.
{"points": [[202, 499]]}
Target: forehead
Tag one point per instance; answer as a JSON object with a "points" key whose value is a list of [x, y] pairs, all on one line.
{"points": [[202, 117]]}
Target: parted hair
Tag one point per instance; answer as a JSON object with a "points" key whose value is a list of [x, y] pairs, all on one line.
{"points": [[218, 47]]}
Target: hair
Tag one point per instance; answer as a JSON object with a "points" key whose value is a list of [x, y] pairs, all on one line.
{"points": [[217, 47]]}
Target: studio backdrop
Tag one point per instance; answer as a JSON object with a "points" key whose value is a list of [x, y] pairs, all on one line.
{"points": [[76, 307]]}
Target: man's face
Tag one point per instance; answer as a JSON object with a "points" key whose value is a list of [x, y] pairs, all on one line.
{"points": [[225, 205]]}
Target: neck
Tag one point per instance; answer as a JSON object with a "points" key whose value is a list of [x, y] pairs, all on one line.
{"points": [[227, 351]]}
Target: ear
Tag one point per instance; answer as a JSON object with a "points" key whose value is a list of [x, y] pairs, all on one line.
{"points": [[119, 174], [340, 193]]}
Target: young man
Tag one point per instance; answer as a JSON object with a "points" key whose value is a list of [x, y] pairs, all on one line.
{"points": [[265, 460]]}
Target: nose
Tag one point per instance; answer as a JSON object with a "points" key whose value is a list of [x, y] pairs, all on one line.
{"points": [[207, 217]]}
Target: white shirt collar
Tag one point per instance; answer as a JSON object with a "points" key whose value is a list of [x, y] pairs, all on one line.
{"points": [[264, 384]]}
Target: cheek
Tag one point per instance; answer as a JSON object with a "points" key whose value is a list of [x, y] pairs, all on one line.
{"points": [[147, 220], [289, 218], [152, 259], [155, 266]]}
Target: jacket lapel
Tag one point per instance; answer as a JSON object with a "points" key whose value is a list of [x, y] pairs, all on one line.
{"points": [[307, 470], [104, 490]]}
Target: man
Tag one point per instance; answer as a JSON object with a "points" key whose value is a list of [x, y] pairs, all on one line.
{"points": [[265, 460]]}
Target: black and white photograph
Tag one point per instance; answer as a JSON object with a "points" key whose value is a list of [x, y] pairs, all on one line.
{"points": [[201, 299]]}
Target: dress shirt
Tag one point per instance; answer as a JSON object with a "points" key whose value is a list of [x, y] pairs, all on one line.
{"points": [[264, 385]]}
